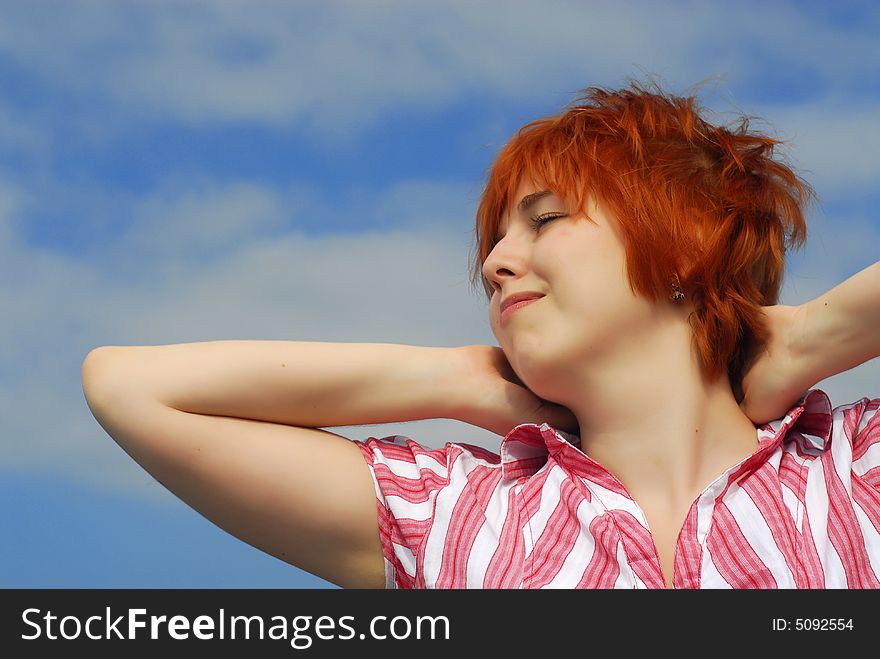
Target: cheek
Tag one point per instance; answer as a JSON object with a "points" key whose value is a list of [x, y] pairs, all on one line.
{"points": [[559, 254]]}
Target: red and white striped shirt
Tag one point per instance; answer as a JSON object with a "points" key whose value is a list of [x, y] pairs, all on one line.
{"points": [[803, 511]]}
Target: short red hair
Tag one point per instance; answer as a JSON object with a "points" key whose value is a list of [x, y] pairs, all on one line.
{"points": [[709, 203]]}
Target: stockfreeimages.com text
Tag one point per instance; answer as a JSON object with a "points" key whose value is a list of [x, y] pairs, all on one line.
{"points": [[299, 630]]}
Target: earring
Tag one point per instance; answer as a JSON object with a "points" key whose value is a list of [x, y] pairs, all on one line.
{"points": [[677, 294]]}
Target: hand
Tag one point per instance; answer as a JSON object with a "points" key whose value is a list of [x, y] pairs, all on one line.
{"points": [[775, 379], [500, 399]]}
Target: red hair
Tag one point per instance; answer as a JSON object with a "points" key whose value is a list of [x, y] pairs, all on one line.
{"points": [[708, 203]]}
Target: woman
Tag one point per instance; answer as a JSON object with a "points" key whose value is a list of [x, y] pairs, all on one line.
{"points": [[627, 387]]}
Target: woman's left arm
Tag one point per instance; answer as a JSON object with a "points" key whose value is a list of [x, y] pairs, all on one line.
{"points": [[830, 334], [840, 329]]}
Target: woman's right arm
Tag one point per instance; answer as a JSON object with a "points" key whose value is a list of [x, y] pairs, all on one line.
{"points": [[233, 429]]}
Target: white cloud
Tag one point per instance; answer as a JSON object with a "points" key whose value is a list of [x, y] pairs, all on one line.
{"points": [[337, 66], [835, 142], [11, 199], [327, 70], [202, 221], [19, 133]]}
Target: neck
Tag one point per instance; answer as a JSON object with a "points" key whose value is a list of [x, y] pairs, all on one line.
{"points": [[656, 424]]}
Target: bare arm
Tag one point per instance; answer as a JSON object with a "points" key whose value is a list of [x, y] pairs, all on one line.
{"points": [[214, 423], [830, 334], [840, 329], [299, 383]]}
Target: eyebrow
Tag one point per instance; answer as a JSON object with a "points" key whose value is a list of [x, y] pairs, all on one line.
{"points": [[530, 199], [526, 203]]}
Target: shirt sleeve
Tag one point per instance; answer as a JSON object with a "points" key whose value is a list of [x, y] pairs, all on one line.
{"points": [[407, 478], [866, 442]]}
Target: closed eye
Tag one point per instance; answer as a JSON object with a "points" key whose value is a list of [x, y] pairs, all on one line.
{"points": [[535, 222], [540, 220]]}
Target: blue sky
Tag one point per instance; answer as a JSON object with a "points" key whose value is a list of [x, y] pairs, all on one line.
{"points": [[174, 172]]}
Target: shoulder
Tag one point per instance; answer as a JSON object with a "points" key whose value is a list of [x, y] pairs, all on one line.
{"points": [[407, 454], [398, 459], [409, 478]]}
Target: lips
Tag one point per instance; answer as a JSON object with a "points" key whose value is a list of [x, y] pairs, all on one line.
{"points": [[519, 297], [516, 302]]}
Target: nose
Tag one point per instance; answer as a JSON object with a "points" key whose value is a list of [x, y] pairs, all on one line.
{"points": [[507, 260]]}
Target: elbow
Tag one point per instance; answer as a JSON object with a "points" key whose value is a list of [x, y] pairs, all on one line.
{"points": [[96, 367], [94, 363]]}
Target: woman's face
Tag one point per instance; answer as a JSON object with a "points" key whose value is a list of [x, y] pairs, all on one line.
{"points": [[588, 314]]}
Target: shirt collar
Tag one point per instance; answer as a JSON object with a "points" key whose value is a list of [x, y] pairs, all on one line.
{"points": [[809, 424], [525, 449]]}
